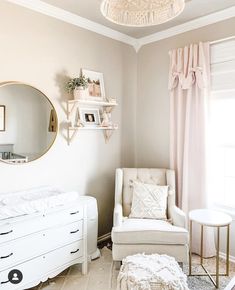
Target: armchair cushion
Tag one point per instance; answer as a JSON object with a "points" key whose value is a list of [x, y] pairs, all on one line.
{"points": [[149, 201], [146, 231]]}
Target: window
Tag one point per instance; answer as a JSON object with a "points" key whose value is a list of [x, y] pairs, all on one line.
{"points": [[221, 127]]}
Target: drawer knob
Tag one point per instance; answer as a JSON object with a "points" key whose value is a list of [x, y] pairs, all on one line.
{"points": [[4, 257], [6, 233], [76, 212], [74, 232], [73, 252]]}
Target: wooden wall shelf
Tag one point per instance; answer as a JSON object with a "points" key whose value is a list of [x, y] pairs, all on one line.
{"points": [[73, 105]]}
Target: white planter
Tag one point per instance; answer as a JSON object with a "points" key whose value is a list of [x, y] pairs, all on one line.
{"points": [[80, 93]]}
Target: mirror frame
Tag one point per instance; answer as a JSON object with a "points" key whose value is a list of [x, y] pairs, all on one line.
{"points": [[6, 83]]}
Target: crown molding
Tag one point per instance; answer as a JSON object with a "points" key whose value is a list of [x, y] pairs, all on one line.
{"points": [[188, 26], [74, 19]]}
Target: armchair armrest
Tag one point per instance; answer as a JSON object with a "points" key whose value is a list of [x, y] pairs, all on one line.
{"points": [[117, 215], [178, 216]]}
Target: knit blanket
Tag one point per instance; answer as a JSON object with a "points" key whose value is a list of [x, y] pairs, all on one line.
{"points": [[151, 272]]}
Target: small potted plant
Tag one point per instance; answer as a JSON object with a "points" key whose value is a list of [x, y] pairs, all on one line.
{"points": [[78, 86]]}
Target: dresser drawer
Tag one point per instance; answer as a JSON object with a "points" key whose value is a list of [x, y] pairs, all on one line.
{"points": [[34, 245], [31, 224], [40, 268]]}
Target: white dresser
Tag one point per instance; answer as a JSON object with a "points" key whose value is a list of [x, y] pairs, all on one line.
{"points": [[39, 246]]}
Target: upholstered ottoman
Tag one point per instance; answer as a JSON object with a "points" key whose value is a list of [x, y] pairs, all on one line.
{"points": [[151, 272]]}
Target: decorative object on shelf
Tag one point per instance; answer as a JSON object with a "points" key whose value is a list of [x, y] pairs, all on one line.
{"points": [[53, 121], [96, 91], [141, 13], [79, 87], [111, 100], [89, 116], [106, 119], [2, 118]]}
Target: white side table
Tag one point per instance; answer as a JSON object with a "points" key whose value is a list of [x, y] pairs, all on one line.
{"points": [[210, 218]]}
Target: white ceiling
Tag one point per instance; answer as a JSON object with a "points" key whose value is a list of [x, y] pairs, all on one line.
{"points": [[90, 9]]}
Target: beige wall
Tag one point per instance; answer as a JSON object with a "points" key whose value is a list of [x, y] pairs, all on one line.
{"points": [[152, 140], [44, 52]]}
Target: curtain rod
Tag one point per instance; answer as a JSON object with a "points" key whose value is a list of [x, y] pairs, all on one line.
{"points": [[222, 40]]}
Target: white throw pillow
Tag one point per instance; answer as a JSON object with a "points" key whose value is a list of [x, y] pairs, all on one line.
{"points": [[149, 201]]}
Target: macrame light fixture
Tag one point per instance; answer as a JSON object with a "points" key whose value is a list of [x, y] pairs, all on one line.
{"points": [[141, 13]]}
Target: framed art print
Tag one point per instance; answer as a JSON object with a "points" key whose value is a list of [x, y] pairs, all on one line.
{"points": [[96, 89]]}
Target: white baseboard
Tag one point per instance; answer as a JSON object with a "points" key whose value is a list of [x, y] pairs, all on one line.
{"points": [[104, 237], [223, 256]]}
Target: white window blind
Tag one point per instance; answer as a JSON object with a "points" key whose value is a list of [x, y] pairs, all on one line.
{"points": [[222, 125], [223, 66]]}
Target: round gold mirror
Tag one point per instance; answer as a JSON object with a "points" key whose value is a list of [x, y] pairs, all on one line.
{"points": [[28, 123]]}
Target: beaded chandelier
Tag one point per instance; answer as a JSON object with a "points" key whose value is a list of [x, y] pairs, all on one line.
{"points": [[141, 13]]}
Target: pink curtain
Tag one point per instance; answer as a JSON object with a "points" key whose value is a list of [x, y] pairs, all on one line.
{"points": [[189, 83]]}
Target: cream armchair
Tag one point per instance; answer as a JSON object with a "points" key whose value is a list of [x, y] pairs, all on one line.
{"points": [[131, 235]]}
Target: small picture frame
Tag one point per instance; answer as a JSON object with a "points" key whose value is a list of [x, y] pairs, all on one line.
{"points": [[89, 117], [2, 118], [96, 90]]}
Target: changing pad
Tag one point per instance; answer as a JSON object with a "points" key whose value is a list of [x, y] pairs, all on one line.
{"points": [[34, 200]]}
